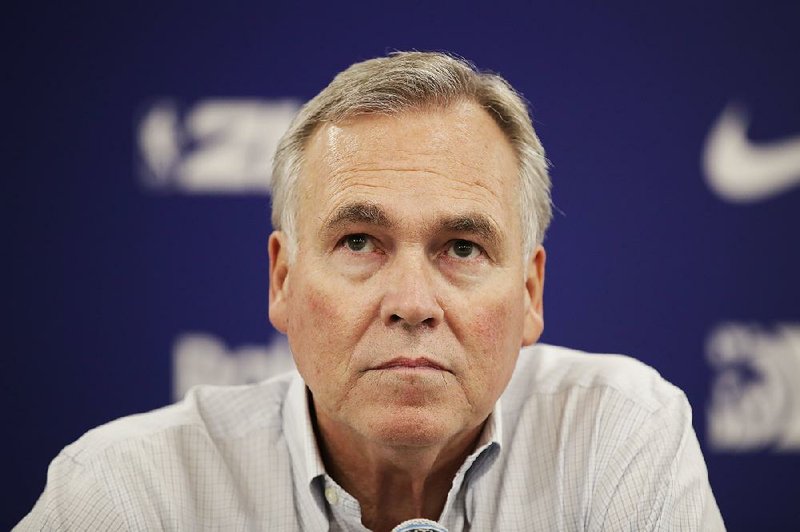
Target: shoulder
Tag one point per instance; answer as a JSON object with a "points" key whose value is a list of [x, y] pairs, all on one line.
{"points": [[609, 439], [178, 464], [207, 413], [619, 435], [545, 370], [575, 393]]}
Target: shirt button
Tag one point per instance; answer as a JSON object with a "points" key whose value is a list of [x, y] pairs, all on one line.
{"points": [[331, 495]]}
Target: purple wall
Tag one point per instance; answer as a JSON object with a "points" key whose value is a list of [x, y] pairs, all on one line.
{"points": [[136, 195]]}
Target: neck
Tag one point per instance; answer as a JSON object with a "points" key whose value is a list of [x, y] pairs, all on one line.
{"points": [[392, 483]]}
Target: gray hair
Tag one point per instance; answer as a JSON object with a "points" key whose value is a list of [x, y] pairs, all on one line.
{"points": [[411, 80]]}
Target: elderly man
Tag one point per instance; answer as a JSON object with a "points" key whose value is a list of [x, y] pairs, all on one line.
{"points": [[410, 201]]}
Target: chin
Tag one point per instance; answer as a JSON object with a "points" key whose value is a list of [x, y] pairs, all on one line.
{"points": [[412, 427]]}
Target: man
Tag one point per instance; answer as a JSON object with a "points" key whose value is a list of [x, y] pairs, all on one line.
{"points": [[410, 201]]}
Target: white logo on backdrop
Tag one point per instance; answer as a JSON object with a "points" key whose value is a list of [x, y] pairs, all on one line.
{"points": [[755, 399], [739, 170], [200, 358], [216, 146]]}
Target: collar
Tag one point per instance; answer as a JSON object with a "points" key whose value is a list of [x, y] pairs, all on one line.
{"points": [[299, 430]]}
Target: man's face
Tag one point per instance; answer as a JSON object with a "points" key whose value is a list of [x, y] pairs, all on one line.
{"points": [[408, 299]]}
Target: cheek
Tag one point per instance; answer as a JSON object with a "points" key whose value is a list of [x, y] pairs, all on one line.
{"points": [[496, 330], [497, 326], [487, 326], [319, 306], [325, 326], [312, 332]]}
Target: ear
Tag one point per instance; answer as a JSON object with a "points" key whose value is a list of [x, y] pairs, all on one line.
{"points": [[534, 288], [278, 273]]}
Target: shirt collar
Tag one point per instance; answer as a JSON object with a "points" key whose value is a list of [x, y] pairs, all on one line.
{"points": [[488, 447], [299, 431], [493, 428]]}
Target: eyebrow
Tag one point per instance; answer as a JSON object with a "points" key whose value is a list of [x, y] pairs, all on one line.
{"points": [[471, 223], [358, 213], [371, 214]]}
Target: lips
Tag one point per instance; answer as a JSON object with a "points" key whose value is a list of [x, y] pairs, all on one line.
{"points": [[411, 363]]}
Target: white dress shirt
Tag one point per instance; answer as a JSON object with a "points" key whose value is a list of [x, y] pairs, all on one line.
{"points": [[576, 442]]}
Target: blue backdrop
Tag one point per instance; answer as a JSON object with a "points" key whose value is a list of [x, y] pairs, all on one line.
{"points": [[137, 145]]}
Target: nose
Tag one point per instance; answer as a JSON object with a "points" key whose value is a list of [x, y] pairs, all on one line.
{"points": [[410, 297]]}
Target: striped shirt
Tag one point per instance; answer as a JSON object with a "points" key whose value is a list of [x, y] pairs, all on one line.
{"points": [[576, 442]]}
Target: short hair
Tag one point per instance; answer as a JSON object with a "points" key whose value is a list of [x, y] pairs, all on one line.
{"points": [[405, 81]]}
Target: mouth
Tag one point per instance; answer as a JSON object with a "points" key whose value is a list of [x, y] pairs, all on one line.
{"points": [[420, 363]]}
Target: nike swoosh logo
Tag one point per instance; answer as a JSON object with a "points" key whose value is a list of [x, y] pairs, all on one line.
{"points": [[740, 171]]}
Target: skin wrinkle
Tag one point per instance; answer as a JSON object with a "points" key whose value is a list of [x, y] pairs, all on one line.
{"points": [[468, 187], [409, 166], [468, 190], [338, 160]]}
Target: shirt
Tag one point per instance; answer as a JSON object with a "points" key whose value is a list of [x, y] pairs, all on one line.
{"points": [[577, 441]]}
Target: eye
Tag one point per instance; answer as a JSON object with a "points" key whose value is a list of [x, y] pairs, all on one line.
{"points": [[359, 243], [463, 249]]}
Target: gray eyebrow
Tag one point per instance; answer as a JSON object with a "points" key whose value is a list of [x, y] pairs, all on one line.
{"points": [[372, 214], [472, 223], [360, 212]]}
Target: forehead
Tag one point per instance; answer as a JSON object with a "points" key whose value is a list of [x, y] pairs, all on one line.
{"points": [[453, 158]]}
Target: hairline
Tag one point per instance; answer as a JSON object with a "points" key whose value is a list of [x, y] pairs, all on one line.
{"points": [[507, 108], [422, 106]]}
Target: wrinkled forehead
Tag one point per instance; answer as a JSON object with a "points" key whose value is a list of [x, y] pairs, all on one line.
{"points": [[461, 144]]}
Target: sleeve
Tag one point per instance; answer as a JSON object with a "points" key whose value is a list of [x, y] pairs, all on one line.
{"points": [[73, 499], [657, 479]]}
